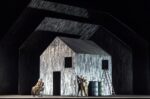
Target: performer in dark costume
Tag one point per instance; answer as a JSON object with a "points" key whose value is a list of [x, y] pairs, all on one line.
{"points": [[81, 86]]}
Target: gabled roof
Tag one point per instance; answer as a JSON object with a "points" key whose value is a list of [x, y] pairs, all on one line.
{"points": [[83, 46]]}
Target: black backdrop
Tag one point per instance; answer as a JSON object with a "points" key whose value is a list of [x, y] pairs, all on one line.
{"points": [[133, 13]]}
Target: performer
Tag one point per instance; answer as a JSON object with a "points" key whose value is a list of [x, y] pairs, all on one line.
{"points": [[39, 87], [81, 86], [85, 87]]}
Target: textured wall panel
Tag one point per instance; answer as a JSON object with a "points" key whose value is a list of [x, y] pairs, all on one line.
{"points": [[122, 72], [53, 60], [60, 8], [88, 65], [67, 26]]}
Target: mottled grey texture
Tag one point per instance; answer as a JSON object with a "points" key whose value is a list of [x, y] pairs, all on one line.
{"points": [[83, 46], [60, 8], [85, 30], [122, 70], [88, 65]]}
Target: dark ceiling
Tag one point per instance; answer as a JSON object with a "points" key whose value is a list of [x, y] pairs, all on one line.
{"points": [[134, 13]]}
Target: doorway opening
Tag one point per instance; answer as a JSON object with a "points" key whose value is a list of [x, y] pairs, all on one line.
{"points": [[56, 83]]}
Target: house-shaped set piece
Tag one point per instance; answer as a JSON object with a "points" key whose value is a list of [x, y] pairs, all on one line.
{"points": [[65, 58]]}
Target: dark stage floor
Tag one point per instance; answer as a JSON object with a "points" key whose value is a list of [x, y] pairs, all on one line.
{"points": [[54, 97]]}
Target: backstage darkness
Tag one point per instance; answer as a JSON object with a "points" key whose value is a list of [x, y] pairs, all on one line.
{"points": [[123, 33]]}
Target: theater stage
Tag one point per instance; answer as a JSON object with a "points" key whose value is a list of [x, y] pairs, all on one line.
{"points": [[55, 97]]}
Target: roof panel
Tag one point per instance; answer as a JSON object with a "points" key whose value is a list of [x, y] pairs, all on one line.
{"points": [[83, 46]]}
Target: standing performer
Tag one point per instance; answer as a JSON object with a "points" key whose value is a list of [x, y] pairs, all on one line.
{"points": [[85, 87], [81, 86]]}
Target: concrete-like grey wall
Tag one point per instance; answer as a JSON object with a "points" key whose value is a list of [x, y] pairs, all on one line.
{"points": [[122, 72], [87, 65], [90, 67], [59, 8], [139, 46], [85, 30], [29, 58], [52, 59]]}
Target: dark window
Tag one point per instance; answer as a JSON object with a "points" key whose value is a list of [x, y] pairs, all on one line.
{"points": [[105, 64], [68, 62]]}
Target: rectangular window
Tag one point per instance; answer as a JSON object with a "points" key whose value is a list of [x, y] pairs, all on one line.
{"points": [[105, 64], [68, 62]]}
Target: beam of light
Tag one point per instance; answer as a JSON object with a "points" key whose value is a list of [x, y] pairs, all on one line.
{"points": [[59, 8], [85, 30]]}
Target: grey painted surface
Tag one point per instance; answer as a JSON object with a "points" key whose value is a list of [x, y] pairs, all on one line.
{"points": [[60, 8], [29, 54], [68, 26], [88, 65], [122, 71], [53, 60], [83, 46]]}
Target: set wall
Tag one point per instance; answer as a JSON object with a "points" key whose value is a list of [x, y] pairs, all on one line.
{"points": [[28, 71], [52, 59], [9, 50], [87, 65], [8, 71], [90, 67], [29, 58], [140, 53], [121, 54]]}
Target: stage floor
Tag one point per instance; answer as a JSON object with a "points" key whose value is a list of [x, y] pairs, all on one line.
{"points": [[54, 97]]}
